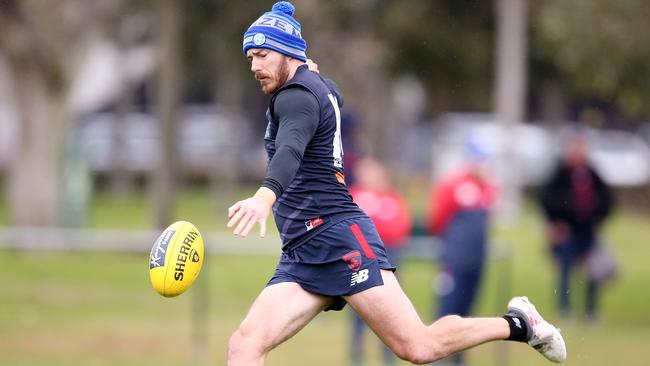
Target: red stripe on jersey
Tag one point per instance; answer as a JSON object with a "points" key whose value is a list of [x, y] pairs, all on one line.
{"points": [[367, 250]]}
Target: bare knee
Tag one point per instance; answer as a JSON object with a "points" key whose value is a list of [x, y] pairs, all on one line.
{"points": [[245, 347], [237, 350], [418, 353], [432, 345]]}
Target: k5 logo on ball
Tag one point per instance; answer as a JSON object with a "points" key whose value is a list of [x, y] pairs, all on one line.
{"points": [[157, 258]]}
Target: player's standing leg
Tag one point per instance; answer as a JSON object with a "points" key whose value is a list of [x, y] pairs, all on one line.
{"points": [[278, 313]]}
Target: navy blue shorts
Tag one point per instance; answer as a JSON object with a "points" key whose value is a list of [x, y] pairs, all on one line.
{"points": [[340, 261]]}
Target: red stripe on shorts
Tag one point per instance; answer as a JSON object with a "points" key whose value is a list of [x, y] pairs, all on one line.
{"points": [[367, 250]]}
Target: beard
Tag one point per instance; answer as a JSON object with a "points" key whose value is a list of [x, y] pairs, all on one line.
{"points": [[280, 78]]}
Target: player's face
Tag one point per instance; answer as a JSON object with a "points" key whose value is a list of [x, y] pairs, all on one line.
{"points": [[271, 68]]}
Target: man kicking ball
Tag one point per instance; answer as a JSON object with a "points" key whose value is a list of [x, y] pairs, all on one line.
{"points": [[331, 252]]}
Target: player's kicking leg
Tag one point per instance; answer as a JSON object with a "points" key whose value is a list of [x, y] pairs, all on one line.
{"points": [[389, 312], [278, 313]]}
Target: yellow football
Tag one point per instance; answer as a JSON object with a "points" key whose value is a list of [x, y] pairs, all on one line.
{"points": [[176, 259]]}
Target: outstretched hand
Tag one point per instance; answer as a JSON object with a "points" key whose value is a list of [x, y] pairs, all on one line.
{"points": [[244, 214]]}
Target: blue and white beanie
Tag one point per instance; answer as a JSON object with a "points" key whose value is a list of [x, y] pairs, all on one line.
{"points": [[277, 30]]}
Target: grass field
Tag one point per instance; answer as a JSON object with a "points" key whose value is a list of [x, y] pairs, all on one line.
{"points": [[99, 308]]}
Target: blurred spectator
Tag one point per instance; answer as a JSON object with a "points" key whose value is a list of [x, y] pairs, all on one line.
{"points": [[388, 210], [576, 201], [459, 210]]}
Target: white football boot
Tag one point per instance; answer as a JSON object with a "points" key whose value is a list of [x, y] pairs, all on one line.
{"points": [[542, 335]]}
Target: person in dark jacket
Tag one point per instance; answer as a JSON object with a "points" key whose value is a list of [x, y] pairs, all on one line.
{"points": [[575, 201]]}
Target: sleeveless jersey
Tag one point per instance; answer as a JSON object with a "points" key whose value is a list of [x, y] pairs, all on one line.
{"points": [[317, 198]]}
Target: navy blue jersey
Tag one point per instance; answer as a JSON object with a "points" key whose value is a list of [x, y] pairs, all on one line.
{"points": [[317, 198]]}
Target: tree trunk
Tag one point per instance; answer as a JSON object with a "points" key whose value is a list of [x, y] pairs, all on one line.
{"points": [[510, 93], [38, 85], [169, 85], [34, 180], [230, 100]]}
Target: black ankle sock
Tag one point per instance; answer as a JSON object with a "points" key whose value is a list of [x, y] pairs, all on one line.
{"points": [[518, 328]]}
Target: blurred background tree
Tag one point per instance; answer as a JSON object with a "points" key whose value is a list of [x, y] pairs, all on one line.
{"points": [[42, 45], [587, 60], [596, 54]]}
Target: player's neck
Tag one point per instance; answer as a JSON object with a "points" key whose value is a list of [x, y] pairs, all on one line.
{"points": [[294, 64]]}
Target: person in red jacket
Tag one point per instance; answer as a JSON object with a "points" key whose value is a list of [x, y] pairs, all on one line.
{"points": [[389, 211], [459, 211]]}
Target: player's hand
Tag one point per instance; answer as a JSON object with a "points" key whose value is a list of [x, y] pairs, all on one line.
{"points": [[312, 65], [244, 214]]}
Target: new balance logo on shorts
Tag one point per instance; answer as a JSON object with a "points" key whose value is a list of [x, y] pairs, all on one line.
{"points": [[358, 277]]}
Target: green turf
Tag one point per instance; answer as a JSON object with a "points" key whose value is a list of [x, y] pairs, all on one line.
{"points": [[99, 308]]}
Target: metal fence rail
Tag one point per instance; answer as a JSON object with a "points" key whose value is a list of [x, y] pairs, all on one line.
{"points": [[121, 240]]}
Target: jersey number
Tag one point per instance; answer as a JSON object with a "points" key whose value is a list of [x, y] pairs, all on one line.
{"points": [[337, 144]]}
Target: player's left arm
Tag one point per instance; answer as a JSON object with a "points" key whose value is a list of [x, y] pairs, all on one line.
{"points": [[297, 111]]}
